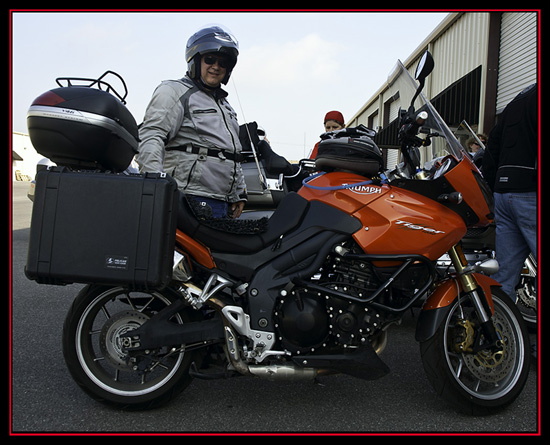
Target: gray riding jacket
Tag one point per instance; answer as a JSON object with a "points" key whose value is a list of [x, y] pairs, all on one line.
{"points": [[194, 137]]}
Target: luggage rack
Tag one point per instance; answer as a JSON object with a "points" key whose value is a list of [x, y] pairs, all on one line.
{"points": [[101, 84]]}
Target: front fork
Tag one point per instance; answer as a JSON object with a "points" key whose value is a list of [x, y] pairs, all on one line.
{"points": [[478, 297]]}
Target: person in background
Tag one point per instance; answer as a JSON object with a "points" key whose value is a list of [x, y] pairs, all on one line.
{"points": [[473, 144], [510, 169], [191, 132], [476, 150], [334, 120]]}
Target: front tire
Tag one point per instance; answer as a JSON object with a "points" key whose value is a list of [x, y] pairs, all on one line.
{"points": [[483, 382], [95, 355]]}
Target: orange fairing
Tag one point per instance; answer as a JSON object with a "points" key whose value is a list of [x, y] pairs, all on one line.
{"points": [[347, 200], [199, 252], [447, 291], [463, 178], [401, 221], [395, 220]]}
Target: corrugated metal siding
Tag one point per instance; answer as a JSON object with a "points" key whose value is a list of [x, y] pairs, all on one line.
{"points": [[461, 49], [460, 100], [459, 46], [394, 109], [392, 156], [364, 118], [518, 55]]}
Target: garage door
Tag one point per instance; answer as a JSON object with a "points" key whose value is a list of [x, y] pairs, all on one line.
{"points": [[518, 55]]}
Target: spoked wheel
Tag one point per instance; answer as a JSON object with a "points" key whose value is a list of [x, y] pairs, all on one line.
{"points": [[95, 349], [526, 292], [481, 381]]}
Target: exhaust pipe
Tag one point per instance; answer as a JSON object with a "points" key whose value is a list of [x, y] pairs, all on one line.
{"points": [[269, 372], [283, 372]]}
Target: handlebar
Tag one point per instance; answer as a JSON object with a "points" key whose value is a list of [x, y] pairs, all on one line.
{"points": [[303, 165]]}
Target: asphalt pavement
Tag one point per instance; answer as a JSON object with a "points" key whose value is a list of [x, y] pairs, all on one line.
{"points": [[44, 398]]}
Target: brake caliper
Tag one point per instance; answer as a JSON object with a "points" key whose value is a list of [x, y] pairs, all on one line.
{"points": [[464, 336]]}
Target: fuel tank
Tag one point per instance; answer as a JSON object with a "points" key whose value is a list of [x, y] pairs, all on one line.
{"points": [[395, 220]]}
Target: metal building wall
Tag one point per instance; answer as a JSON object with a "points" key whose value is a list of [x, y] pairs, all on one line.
{"points": [[461, 45], [459, 50], [518, 55]]}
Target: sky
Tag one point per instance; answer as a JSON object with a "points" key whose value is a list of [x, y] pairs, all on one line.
{"points": [[293, 67]]}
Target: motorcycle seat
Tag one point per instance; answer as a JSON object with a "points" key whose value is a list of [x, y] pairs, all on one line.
{"points": [[286, 217]]}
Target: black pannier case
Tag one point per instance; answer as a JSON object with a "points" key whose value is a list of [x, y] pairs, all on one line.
{"points": [[83, 127], [350, 150], [103, 228]]}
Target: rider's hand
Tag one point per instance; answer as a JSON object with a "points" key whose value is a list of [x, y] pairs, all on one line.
{"points": [[237, 209]]}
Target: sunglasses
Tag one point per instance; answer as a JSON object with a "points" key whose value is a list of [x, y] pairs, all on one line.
{"points": [[211, 60]]}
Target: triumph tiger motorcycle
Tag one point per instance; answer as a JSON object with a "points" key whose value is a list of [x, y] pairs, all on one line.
{"points": [[317, 288]]}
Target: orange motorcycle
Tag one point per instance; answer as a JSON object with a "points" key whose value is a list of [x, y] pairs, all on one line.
{"points": [[315, 288]]}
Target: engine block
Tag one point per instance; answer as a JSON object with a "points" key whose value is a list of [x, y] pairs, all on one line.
{"points": [[308, 321]]}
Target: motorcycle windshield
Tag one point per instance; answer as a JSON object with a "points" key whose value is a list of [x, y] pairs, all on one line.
{"points": [[403, 86]]}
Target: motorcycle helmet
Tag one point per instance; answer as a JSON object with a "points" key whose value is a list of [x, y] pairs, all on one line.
{"points": [[211, 39]]}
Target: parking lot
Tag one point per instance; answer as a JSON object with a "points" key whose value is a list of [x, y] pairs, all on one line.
{"points": [[44, 398]]}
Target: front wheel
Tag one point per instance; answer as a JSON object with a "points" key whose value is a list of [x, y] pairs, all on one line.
{"points": [[93, 347], [478, 382]]}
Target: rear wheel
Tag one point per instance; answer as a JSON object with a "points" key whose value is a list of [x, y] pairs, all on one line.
{"points": [[483, 381], [94, 348]]}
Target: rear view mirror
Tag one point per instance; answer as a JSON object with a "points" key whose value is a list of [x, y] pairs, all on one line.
{"points": [[425, 67]]}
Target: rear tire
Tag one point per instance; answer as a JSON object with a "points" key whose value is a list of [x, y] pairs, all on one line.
{"points": [[481, 383], [93, 351]]}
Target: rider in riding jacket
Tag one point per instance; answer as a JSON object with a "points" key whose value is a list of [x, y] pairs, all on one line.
{"points": [[191, 132]]}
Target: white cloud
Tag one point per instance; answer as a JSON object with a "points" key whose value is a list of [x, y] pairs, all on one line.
{"points": [[308, 60], [283, 87]]}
